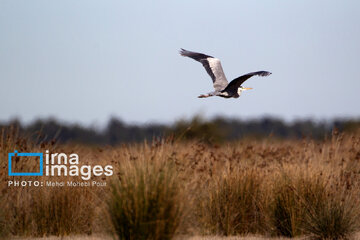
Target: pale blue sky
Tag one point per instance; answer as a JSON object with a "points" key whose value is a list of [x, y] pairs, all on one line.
{"points": [[84, 61]]}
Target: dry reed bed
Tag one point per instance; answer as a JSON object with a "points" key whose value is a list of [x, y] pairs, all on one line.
{"points": [[165, 188]]}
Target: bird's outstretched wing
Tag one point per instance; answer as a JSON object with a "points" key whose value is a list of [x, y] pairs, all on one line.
{"points": [[212, 66], [236, 83]]}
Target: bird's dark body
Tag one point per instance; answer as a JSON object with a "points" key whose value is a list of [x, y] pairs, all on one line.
{"points": [[227, 95], [223, 96]]}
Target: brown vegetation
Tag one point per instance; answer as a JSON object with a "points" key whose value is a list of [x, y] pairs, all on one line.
{"points": [[166, 188]]}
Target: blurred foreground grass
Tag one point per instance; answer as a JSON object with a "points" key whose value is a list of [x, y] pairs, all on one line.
{"points": [[104, 237]]}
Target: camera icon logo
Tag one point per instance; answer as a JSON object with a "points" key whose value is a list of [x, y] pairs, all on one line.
{"points": [[16, 154]]}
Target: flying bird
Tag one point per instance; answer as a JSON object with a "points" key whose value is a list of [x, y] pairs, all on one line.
{"points": [[214, 69]]}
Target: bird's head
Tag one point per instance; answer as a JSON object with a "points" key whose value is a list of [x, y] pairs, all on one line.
{"points": [[241, 89]]}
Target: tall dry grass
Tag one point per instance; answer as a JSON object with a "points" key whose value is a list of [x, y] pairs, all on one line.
{"points": [[145, 200], [41, 211], [232, 203], [3, 228], [166, 188]]}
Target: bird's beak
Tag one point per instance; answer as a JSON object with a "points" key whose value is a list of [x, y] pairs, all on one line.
{"points": [[248, 88]]}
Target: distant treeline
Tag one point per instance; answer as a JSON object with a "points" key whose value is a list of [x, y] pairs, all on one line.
{"points": [[215, 130]]}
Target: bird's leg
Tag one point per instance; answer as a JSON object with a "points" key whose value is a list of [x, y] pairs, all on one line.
{"points": [[206, 95]]}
